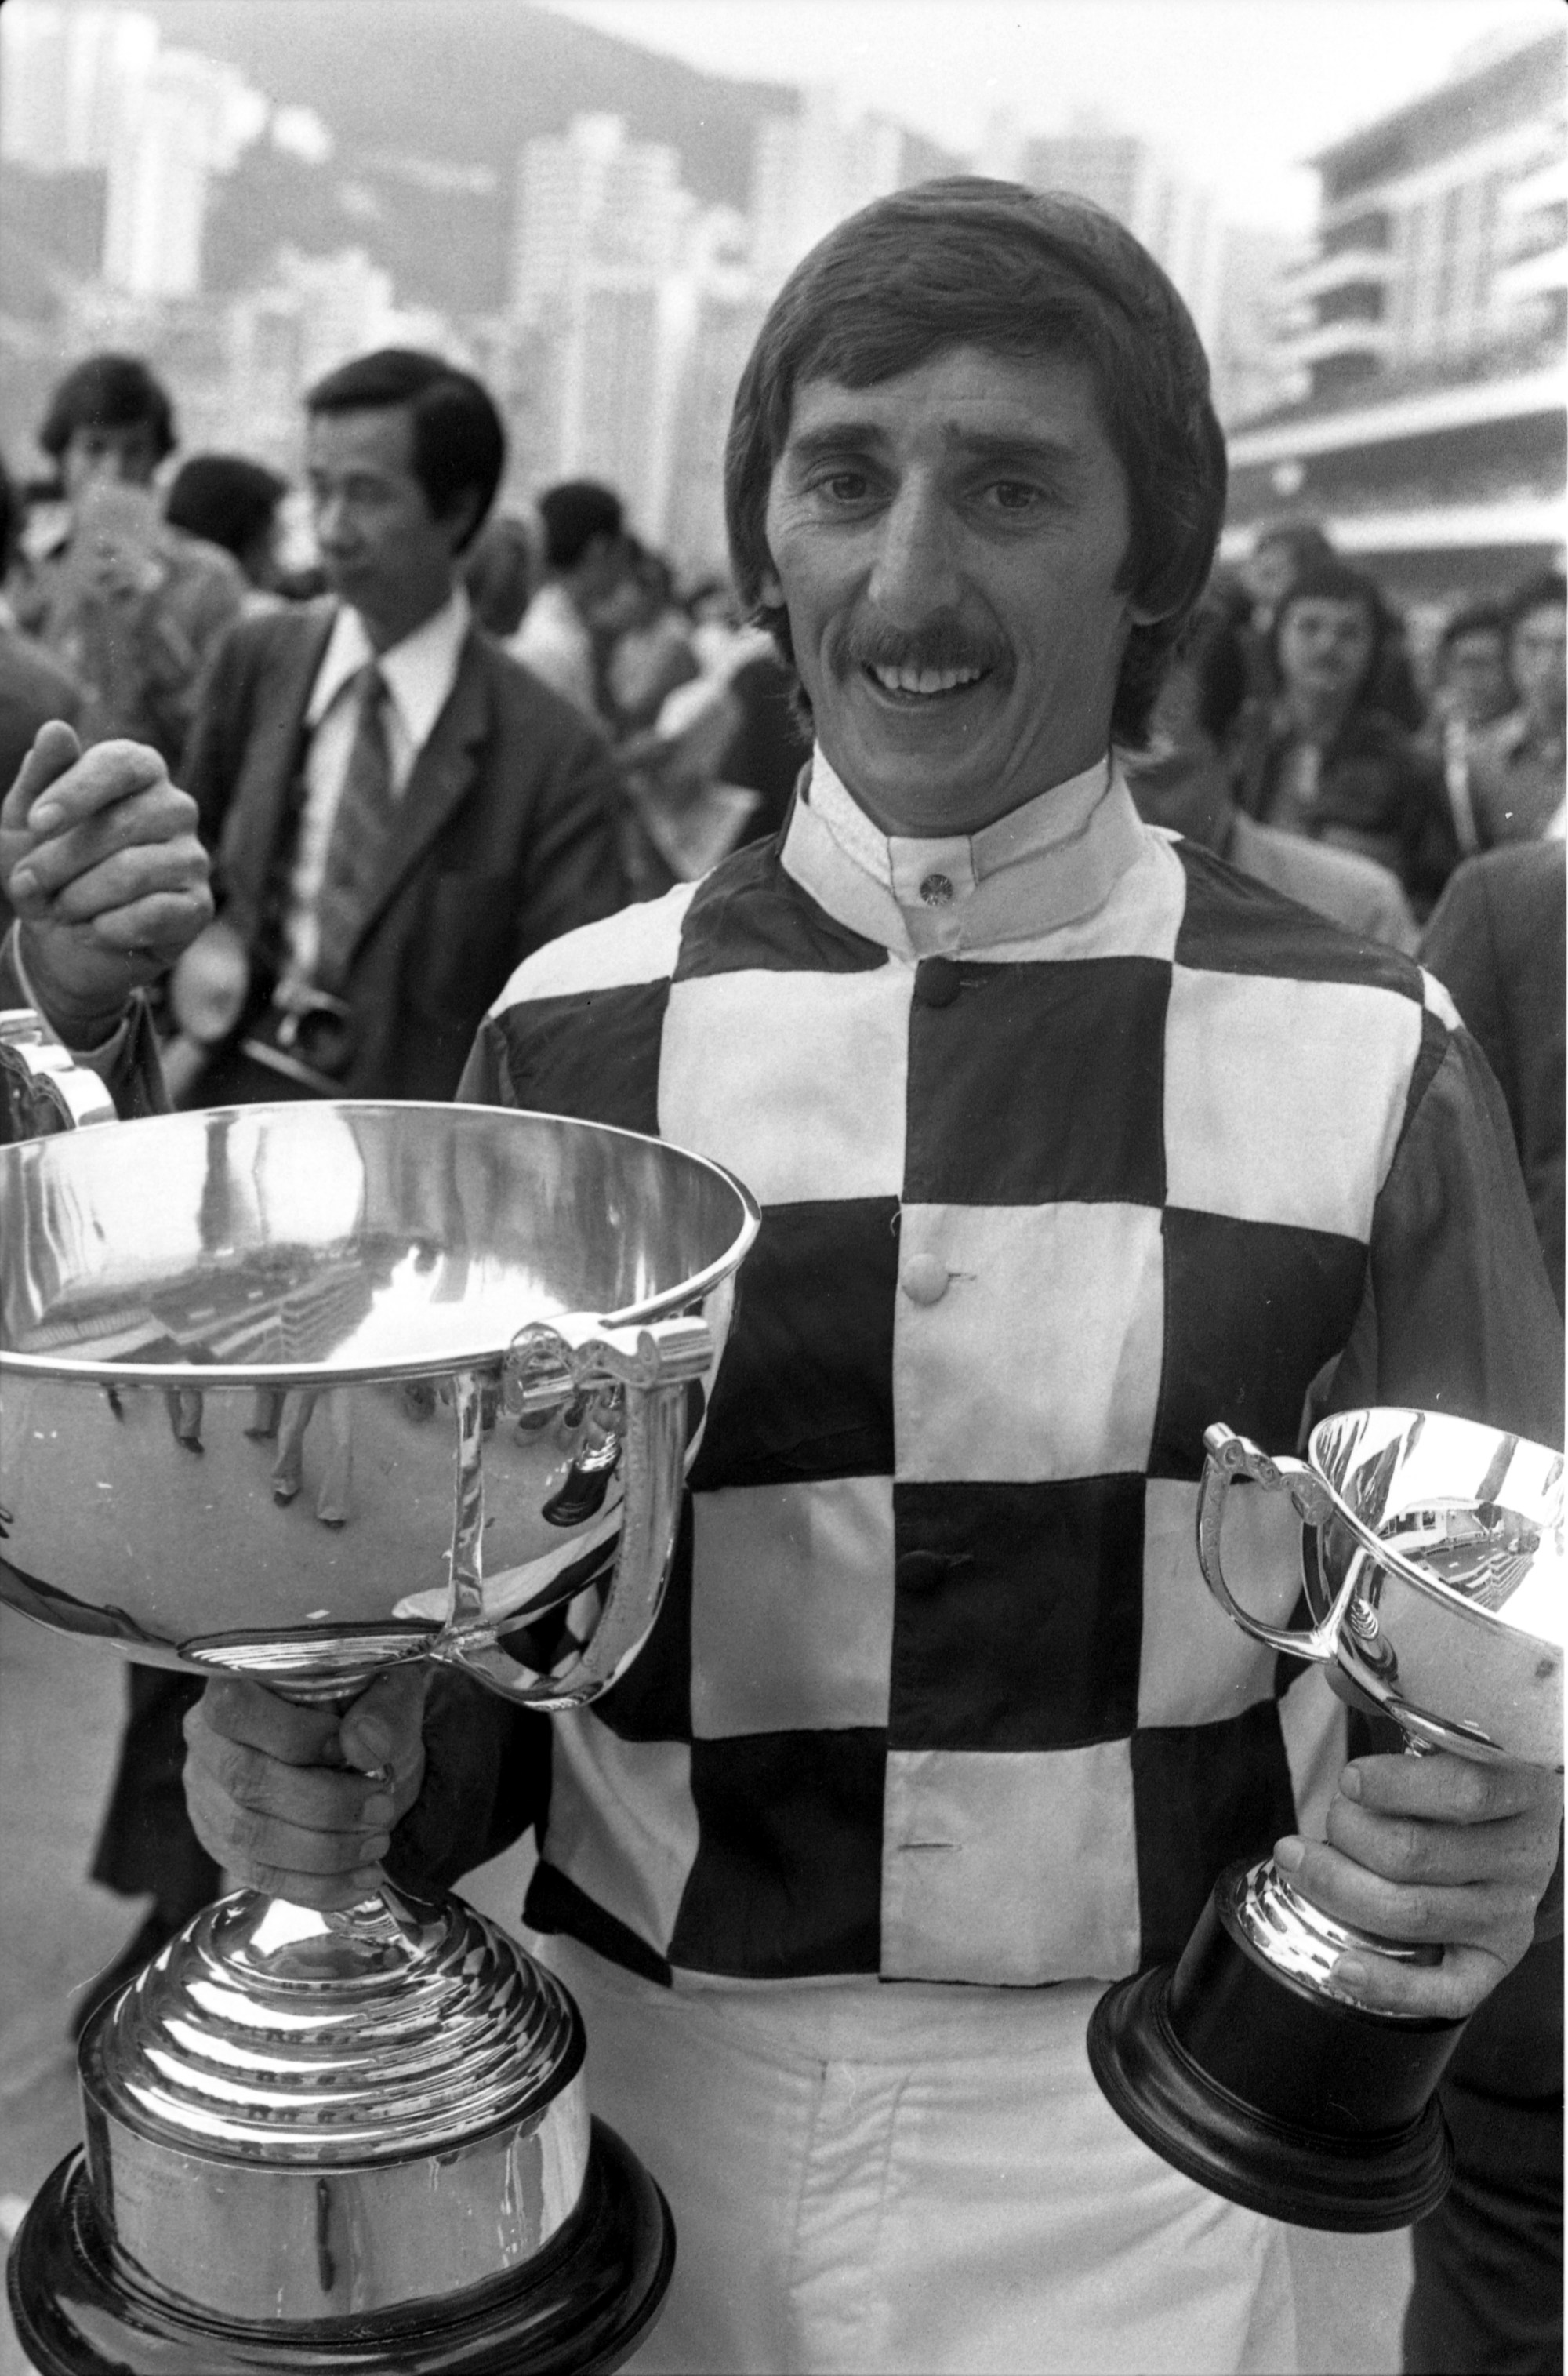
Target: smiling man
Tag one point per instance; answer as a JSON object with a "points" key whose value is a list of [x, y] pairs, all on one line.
{"points": [[1069, 1141]]}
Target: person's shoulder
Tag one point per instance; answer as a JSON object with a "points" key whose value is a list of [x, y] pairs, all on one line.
{"points": [[1236, 921], [523, 695], [194, 563], [638, 946], [1352, 890], [1519, 887]]}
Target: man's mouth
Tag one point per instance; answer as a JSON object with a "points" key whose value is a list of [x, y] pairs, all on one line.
{"points": [[924, 683]]}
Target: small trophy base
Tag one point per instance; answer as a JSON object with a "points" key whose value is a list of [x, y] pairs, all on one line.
{"points": [[1272, 2093], [585, 2303]]}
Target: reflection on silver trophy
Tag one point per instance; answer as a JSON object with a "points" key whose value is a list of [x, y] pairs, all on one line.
{"points": [[445, 1367], [1433, 1567]]}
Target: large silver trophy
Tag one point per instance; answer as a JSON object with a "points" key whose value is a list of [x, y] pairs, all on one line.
{"points": [[1432, 1562], [297, 1392]]}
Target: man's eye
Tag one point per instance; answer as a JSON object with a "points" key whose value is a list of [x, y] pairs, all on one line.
{"points": [[844, 486], [1013, 495]]}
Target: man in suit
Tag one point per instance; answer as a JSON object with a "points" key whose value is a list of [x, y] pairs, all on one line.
{"points": [[399, 814], [397, 811]]}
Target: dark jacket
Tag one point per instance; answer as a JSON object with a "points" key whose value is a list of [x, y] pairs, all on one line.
{"points": [[1497, 943], [505, 837], [1378, 793]]}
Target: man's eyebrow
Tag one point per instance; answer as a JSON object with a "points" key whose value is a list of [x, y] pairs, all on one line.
{"points": [[1028, 445], [1033, 447], [837, 438]]}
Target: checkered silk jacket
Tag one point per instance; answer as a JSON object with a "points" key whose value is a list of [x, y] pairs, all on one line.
{"points": [[1068, 1141]]}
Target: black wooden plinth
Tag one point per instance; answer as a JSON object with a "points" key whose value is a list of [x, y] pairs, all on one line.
{"points": [[1272, 2094]]}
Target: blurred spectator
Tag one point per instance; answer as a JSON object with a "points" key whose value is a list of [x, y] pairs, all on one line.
{"points": [[1182, 780], [1488, 2290], [693, 814], [1279, 558], [129, 604], [232, 502], [585, 559], [33, 687], [652, 651], [399, 814], [1323, 760], [1516, 766], [501, 570], [1470, 688]]}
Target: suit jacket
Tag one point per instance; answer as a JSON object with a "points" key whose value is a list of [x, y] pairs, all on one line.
{"points": [[505, 837], [1497, 942]]}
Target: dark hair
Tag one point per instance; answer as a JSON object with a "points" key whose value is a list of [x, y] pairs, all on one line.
{"points": [[499, 570], [1548, 591], [1305, 539], [225, 498], [574, 514], [1214, 649], [108, 392], [1022, 273], [459, 445], [1475, 619]]}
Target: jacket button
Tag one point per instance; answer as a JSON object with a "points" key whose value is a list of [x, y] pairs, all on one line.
{"points": [[919, 1571], [936, 983], [923, 1278]]}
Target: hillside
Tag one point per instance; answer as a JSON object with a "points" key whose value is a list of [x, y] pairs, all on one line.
{"points": [[429, 102]]}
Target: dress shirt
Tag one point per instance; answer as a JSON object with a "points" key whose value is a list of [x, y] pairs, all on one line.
{"points": [[1048, 863], [419, 673], [554, 642]]}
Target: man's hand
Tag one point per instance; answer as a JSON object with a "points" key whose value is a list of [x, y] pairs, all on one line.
{"points": [[1436, 1851], [298, 1801], [100, 858]]}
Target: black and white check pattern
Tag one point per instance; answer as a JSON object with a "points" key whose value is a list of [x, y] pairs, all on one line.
{"points": [[938, 1691]]}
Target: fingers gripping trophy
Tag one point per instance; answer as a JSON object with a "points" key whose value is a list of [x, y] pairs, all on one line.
{"points": [[322, 2141], [1433, 1569]]}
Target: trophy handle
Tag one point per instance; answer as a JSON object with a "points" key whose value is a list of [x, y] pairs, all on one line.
{"points": [[639, 1379], [1230, 1456], [42, 1089]]}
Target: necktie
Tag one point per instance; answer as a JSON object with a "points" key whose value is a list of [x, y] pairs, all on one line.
{"points": [[360, 830]]}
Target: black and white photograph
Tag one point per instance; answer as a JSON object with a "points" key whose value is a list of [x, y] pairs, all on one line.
{"points": [[782, 1033]]}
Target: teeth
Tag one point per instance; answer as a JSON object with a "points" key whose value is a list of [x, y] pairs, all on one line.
{"points": [[927, 681]]}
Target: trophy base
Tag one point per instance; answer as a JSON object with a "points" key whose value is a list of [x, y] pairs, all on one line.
{"points": [[1271, 2093], [585, 2303]]}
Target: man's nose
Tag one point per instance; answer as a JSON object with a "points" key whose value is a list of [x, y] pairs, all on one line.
{"points": [[915, 570]]}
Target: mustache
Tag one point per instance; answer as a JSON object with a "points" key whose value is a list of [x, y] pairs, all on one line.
{"points": [[938, 644]]}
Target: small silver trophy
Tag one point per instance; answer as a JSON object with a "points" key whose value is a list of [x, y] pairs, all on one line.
{"points": [[442, 1367], [1433, 1562]]}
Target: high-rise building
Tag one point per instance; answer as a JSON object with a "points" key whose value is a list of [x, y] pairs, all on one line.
{"points": [[1174, 217], [591, 196], [191, 119], [730, 313], [93, 89], [70, 80], [1431, 439], [812, 169]]}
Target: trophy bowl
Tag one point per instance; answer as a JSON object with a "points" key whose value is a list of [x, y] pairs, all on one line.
{"points": [[300, 1392], [1432, 1567]]}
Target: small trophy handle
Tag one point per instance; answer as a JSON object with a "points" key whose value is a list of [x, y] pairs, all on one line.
{"points": [[640, 1378], [1230, 1456], [42, 1089]]}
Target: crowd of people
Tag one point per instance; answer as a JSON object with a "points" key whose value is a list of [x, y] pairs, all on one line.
{"points": [[455, 735]]}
